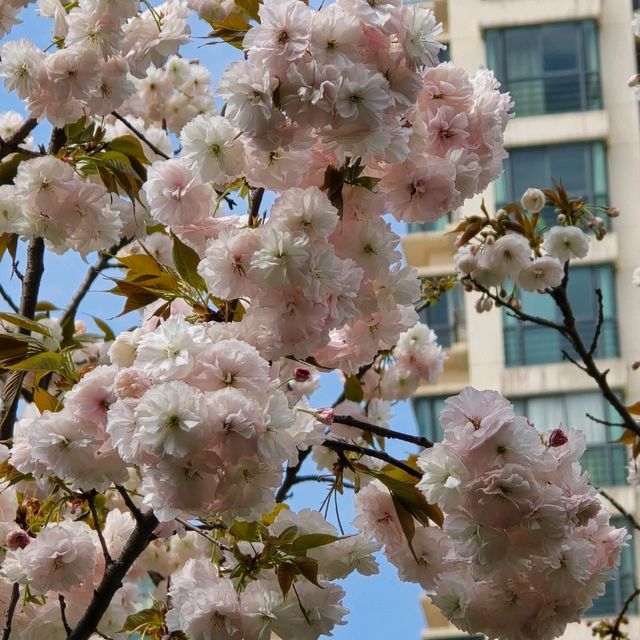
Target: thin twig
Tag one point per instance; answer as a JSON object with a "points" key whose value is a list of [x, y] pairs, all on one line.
{"points": [[383, 431], [606, 423], [9, 300], [187, 525], [137, 514], [615, 631], [319, 478], [94, 514], [63, 614], [339, 445], [8, 616], [93, 272], [290, 476], [140, 135], [632, 521], [572, 360]]}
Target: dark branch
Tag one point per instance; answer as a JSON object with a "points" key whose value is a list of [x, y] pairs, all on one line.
{"points": [[12, 144], [572, 360], [615, 631], [382, 431], [600, 322], [114, 575], [28, 302], [632, 521], [8, 616], [254, 204], [290, 476], [63, 614], [140, 135], [9, 300], [319, 478], [135, 512], [606, 423], [338, 445]]}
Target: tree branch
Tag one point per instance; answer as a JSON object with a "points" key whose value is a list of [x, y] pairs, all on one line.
{"points": [[140, 135], [615, 631], [63, 614], [339, 445], [290, 476], [12, 144], [94, 271], [28, 302], [383, 431], [113, 576], [599, 323], [254, 204], [94, 514], [8, 616], [632, 521]]}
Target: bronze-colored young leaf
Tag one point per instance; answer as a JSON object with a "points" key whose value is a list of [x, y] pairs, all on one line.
{"points": [[18, 320], [16, 347], [44, 400], [353, 389], [286, 573], [249, 7], [308, 567], [186, 261], [46, 361], [310, 541], [148, 622], [9, 168]]}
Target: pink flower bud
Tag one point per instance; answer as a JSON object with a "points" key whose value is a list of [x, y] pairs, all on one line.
{"points": [[300, 374], [17, 539], [557, 438], [326, 416]]}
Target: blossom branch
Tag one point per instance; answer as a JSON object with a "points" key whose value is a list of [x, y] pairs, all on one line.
{"points": [[615, 631], [629, 517], [12, 144], [114, 574], [339, 445], [140, 135], [8, 616], [290, 476], [599, 323], [383, 431]]}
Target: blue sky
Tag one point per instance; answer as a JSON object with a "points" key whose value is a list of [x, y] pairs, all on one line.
{"points": [[381, 606]]}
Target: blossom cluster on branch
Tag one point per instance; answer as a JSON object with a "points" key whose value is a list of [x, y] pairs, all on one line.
{"points": [[143, 483]]}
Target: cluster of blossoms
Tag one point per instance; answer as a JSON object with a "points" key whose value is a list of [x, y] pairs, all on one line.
{"points": [[512, 256], [101, 44], [525, 546]]}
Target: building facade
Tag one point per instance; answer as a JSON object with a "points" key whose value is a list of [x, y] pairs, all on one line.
{"points": [[566, 63]]}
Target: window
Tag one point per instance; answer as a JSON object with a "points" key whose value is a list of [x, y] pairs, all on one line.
{"points": [[427, 410], [606, 463], [447, 317], [617, 590], [550, 68], [581, 167], [433, 225], [530, 344]]}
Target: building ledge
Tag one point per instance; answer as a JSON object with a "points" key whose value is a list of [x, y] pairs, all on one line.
{"points": [[506, 13], [431, 252], [557, 128]]}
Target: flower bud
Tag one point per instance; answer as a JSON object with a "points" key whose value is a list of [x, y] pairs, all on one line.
{"points": [[633, 80], [533, 200], [561, 218], [300, 374], [557, 438], [613, 212], [490, 240], [487, 304], [480, 305], [326, 416], [17, 539]]}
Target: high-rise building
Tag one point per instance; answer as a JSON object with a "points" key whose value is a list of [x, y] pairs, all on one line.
{"points": [[566, 64]]}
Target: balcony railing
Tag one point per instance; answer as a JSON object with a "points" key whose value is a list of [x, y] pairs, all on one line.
{"points": [[557, 92]]}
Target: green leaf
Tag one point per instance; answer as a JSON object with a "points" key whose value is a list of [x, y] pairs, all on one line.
{"points": [[286, 574], [286, 537], [368, 182], [16, 347], [232, 29], [46, 361], [186, 261], [405, 518], [43, 305], [249, 531], [44, 400], [308, 567], [146, 621], [18, 320], [7, 240], [310, 541], [353, 389], [250, 7], [109, 335]]}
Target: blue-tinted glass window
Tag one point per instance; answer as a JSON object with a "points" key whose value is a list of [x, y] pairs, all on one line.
{"points": [[550, 68], [606, 463], [433, 225], [526, 343], [447, 317], [580, 166], [427, 411]]}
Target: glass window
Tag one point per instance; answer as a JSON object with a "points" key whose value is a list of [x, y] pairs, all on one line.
{"points": [[550, 68], [433, 225], [617, 590], [530, 344], [427, 411], [447, 317], [580, 166], [606, 463]]}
